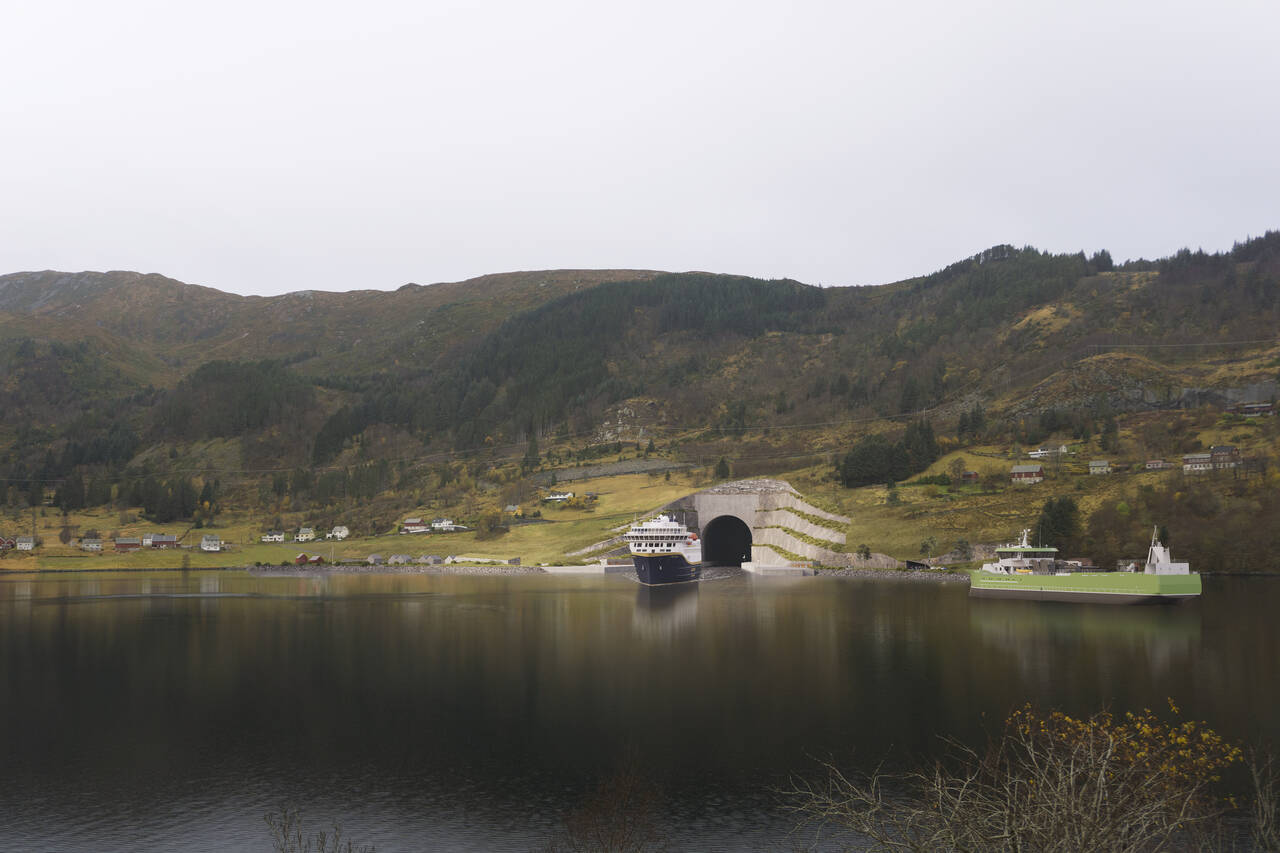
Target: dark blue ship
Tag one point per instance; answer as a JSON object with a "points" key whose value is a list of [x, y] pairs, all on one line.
{"points": [[665, 551]]}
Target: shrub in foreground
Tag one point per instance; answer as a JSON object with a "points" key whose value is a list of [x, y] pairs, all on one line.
{"points": [[1053, 783]]}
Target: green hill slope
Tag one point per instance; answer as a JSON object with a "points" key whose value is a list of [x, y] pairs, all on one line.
{"points": [[119, 377]]}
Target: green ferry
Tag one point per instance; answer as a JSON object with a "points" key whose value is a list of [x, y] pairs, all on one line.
{"points": [[1026, 572]]}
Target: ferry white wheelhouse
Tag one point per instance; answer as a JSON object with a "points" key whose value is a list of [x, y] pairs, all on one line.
{"points": [[1022, 557], [663, 535]]}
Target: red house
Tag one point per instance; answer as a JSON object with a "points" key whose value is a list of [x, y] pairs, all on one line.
{"points": [[1026, 475]]}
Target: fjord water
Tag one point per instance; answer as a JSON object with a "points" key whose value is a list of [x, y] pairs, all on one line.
{"points": [[170, 711]]}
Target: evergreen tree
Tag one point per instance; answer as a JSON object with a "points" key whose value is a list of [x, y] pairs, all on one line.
{"points": [[921, 446], [70, 493], [531, 458], [1059, 524], [99, 492]]}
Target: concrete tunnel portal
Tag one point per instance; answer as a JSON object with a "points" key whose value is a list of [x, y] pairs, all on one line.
{"points": [[726, 541]]}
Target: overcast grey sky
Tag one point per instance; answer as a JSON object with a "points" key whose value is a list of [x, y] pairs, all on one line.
{"points": [[263, 147]]}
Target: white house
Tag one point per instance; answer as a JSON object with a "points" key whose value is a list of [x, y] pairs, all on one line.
{"points": [[146, 539], [90, 544], [26, 543], [305, 534], [1100, 466], [340, 532], [445, 525], [209, 542], [273, 536], [1046, 452], [1195, 463], [559, 497]]}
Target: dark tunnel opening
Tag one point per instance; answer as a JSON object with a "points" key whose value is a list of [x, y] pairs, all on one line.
{"points": [[726, 541]]}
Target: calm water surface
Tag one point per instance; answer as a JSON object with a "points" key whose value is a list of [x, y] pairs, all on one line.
{"points": [[169, 711]]}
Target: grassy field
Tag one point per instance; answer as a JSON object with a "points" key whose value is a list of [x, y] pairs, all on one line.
{"points": [[991, 513], [560, 531], [963, 512]]}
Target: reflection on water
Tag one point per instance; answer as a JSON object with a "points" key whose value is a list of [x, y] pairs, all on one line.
{"points": [[665, 612], [168, 710], [1161, 636]]}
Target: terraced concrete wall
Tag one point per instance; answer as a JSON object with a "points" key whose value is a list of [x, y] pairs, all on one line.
{"points": [[791, 521], [776, 500], [770, 538]]}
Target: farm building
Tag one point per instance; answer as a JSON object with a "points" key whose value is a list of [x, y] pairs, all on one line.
{"points": [[1026, 475]]}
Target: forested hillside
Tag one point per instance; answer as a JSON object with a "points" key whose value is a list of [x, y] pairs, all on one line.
{"points": [[122, 378]]}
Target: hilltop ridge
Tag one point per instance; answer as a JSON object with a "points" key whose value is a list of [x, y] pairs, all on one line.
{"points": [[123, 377]]}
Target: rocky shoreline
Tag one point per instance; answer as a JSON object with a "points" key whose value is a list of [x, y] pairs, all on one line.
{"points": [[361, 569], [894, 575]]}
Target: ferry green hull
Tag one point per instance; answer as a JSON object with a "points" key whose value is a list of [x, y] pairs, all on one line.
{"points": [[1097, 587]]}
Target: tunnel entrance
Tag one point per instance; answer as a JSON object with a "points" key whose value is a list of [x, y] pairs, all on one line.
{"points": [[726, 541]]}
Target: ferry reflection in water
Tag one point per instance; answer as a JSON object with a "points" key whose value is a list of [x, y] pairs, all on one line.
{"points": [[664, 612], [1034, 634]]}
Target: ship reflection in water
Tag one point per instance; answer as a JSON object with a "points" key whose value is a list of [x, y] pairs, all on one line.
{"points": [[1033, 633], [667, 611]]}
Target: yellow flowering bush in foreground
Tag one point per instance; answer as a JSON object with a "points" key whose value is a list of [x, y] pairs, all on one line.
{"points": [[1177, 758], [1051, 782]]}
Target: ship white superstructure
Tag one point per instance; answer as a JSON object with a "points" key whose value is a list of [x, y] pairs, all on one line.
{"points": [[664, 551]]}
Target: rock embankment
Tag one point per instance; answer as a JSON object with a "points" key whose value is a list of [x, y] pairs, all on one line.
{"points": [[364, 569], [894, 575]]}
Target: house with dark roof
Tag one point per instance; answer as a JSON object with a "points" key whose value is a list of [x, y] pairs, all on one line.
{"points": [[1224, 456], [1026, 475]]}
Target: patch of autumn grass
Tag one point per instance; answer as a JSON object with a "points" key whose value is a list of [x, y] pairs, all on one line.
{"points": [[963, 512], [621, 498]]}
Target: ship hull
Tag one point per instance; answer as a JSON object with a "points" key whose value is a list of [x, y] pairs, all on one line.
{"points": [[1096, 588], [655, 569]]}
